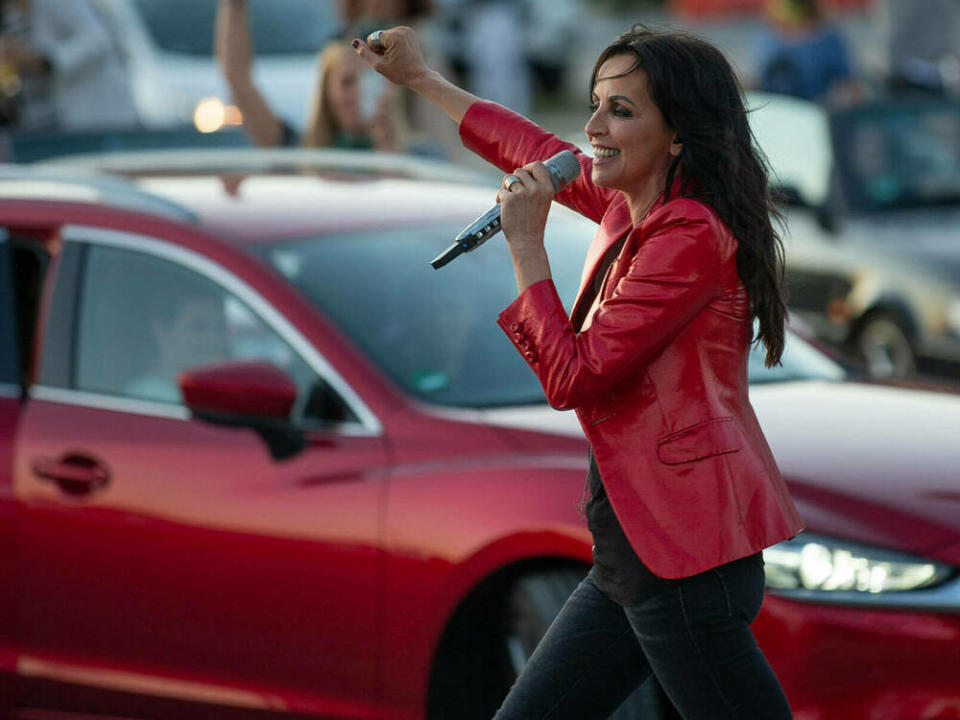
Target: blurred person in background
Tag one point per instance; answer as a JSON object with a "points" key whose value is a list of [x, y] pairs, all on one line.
{"points": [[351, 107], [683, 491], [799, 53], [72, 75], [923, 44], [15, 83], [426, 128], [187, 328], [496, 54]]}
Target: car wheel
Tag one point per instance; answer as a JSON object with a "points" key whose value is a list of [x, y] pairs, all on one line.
{"points": [[534, 603], [884, 347], [494, 634]]}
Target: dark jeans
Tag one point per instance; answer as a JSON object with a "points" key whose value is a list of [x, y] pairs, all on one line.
{"points": [[693, 634]]}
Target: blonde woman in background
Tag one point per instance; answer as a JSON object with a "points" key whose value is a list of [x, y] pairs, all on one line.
{"points": [[339, 116]]}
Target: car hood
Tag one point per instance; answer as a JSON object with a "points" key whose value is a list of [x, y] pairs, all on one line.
{"points": [[865, 462], [926, 238]]}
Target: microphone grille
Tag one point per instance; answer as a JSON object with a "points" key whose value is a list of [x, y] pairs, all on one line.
{"points": [[564, 169]]}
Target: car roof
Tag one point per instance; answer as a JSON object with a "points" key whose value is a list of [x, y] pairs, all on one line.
{"points": [[80, 186], [259, 195]]}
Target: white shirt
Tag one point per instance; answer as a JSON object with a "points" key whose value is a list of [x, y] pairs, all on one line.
{"points": [[90, 88]]}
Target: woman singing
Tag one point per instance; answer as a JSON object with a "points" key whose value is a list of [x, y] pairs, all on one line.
{"points": [[684, 492]]}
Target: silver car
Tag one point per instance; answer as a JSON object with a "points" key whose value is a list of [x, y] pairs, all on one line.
{"points": [[873, 225]]}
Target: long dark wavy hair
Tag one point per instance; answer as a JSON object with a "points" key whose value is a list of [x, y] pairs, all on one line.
{"points": [[699, 97]]}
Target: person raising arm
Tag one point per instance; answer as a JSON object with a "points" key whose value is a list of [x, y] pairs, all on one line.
{"points": [[684, 492], [337, 116]]}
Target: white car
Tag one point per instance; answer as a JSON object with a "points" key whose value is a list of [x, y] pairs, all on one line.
{"points": [[168, 48]]}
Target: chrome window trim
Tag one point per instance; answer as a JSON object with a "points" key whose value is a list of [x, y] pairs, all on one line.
{"points": [[100, 401], [9, 390], [368, 423], [942, 598], [166, 411]]}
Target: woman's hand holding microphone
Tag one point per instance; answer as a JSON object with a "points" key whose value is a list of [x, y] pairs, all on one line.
{"points": [[525, 198]]}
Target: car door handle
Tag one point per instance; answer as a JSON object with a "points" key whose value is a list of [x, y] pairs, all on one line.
{"points": [[74, 474]]}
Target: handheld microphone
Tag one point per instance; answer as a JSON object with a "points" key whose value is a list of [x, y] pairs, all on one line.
{"points": [[564, 169]]}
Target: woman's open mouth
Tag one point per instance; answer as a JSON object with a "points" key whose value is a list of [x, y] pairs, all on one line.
{"points": [[603, 155]]}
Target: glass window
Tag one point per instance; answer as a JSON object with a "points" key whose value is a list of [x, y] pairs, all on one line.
{"points": [[9, 365], [800, 361], [434, 332], [278, 26], [143, 320], [901, 156]]}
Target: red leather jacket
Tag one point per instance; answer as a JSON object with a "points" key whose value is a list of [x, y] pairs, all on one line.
{"points": [[658, 376]]}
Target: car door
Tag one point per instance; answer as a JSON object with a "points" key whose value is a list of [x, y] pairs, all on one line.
{"points": [[168, 565]]}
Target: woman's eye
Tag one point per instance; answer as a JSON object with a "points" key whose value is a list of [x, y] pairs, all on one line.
{"points": [[594, 106], [621, 111]]}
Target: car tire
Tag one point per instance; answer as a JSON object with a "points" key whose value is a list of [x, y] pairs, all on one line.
{"points": [[476, 669], [883, 345], [534, 603]]}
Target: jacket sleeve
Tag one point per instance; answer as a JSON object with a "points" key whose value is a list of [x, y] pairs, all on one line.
{"points": [[672, 276], [509, 140]]}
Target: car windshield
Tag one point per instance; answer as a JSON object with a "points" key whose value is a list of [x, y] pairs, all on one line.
{"points": [[900, 156], [434, 332], [800, 361], [279, 27]]}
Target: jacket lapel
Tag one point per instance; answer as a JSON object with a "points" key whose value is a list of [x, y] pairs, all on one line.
{"points": [[615, 223]]}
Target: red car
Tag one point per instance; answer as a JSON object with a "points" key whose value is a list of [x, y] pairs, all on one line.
{"points": [[259, 459]]}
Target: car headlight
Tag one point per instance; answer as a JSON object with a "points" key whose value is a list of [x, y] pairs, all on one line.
{"points": [[816, 564]]}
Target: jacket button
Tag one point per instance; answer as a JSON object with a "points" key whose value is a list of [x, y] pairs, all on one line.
{"points": [[515, 326], [519, 337], [527, 346], [530, 355]]}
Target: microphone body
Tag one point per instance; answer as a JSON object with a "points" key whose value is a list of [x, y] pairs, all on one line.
{"points": [[564, 168]]}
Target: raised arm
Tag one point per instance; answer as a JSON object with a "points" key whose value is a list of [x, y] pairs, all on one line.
{"points": [[401, 62], [235, 55], [502, 137]]}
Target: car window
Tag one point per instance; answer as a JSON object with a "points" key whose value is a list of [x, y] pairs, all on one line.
{"points": [[9, 364], [278, 26], [143, 320], [434, 332], [900, 156], [800, 361]]}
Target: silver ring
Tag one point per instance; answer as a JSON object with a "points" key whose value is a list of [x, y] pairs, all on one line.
{"points": [[509, 181], [375, 39]]}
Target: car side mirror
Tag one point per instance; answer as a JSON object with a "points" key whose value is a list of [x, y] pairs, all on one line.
{"points": [[251, 394], [826, 218], [822, 212]]}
